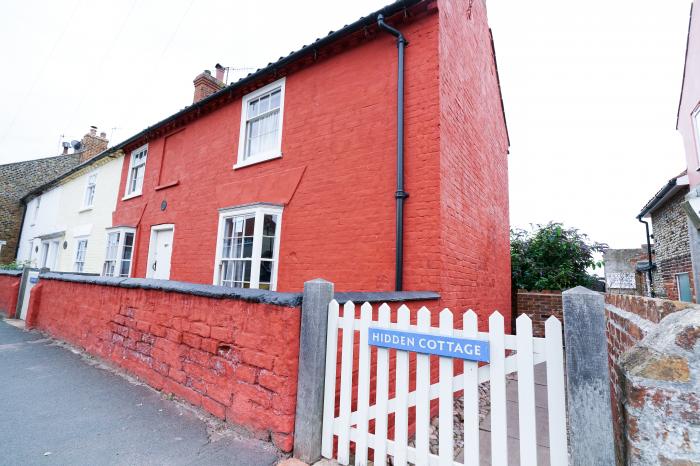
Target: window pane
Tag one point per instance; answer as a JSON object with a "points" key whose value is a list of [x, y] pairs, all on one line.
{"points": [[268, 248], [275, 99], [249, 226], [265, 271], [264, 104], [269, 224]]}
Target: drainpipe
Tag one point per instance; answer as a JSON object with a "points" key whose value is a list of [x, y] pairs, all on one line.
{"points": [[400, 194], [651, 277]]}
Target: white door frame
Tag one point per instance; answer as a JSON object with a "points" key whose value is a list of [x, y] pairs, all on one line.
{"points": [[152, 245]]}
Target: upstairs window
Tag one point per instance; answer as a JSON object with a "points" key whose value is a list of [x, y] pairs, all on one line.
{"points": [[120, 248], [248, 247], [80, 253], [137, 170], [261, 125], [89, 198], [37, 206]]}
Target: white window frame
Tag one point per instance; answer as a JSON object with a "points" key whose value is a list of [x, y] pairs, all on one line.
{"points": [[78, 241], [120, 251], [128, 193], [276, 152], [259, 210], [90, 183]]}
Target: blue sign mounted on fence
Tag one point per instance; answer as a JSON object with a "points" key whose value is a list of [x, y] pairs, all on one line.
{"points": [[461, 348]]}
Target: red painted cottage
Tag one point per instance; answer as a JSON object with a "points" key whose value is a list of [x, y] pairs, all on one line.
{"points": [[291, 173]]}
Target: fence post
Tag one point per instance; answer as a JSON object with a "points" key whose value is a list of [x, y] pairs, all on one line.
{"points": [[312, 370], [22, 289], [588, 381]]}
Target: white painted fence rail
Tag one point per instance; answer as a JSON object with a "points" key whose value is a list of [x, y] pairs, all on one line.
{"points": [[508, 353]]}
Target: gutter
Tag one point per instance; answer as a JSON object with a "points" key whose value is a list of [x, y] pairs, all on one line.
{"points": [[660, 195]]}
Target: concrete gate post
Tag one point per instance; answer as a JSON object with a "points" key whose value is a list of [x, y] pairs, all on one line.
{"points": [[312, 370], [588, 380]]}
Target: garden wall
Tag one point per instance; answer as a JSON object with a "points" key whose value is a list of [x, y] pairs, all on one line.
{"points": [[538, 306], [655, 379], [9, 289], [232, 352]]}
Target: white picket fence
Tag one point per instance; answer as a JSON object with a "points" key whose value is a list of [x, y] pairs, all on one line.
{"points": [[354, 426]]}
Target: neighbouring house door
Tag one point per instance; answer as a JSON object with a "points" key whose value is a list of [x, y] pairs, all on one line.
{"points": [[161, 249], [684, 294], [49, 254]]}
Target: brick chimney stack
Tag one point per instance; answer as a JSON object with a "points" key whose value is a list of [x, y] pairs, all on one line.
{"points": [[205, 84], [93, 144]]}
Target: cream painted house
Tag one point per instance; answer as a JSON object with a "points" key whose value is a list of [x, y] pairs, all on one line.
{"points": [[65, 222]]}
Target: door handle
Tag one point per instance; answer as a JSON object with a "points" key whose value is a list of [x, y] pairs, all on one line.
{"points": [[154, 265]]}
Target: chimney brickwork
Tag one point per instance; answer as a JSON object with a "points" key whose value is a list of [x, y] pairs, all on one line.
{"points": [[93, 144], [205, 85]]}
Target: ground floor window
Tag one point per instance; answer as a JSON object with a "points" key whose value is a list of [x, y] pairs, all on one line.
{"points": [[683, 286], [248, 247], [80, 253], [120, 248]]}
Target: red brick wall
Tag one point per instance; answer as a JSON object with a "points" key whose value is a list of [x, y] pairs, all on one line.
{"points": [[474, 224], [337, 174], [629, 319], [9, 289], [538, 306], [236, 359]]}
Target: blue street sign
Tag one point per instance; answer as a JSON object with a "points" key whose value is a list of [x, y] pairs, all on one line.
{"points": [[33, 280], [461, 348]]}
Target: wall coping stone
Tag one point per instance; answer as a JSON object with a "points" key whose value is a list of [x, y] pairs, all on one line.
{"points": [[384, 296], [224, 292], [11, 272], [196, 289]]}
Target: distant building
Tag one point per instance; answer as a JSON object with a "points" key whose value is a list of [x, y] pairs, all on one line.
{"points": [[19, 178], [625, 271], [673, 273]]}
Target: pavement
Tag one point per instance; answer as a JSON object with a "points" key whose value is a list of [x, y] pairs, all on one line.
{"points": [[541, 422], [61, 407]]}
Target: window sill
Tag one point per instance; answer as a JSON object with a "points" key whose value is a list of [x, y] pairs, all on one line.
{"points": [[130, 196], [256, 160], [167, 185], [85, 209]]}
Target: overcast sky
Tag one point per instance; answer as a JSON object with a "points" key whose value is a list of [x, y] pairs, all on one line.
{"points": [[590, 88]]}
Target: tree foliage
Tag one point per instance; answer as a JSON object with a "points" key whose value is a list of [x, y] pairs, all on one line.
{"points": [[552, 257]]}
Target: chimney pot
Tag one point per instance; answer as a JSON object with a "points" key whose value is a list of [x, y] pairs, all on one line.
{"points": [[220, 72], [103, 135], [93, 130]]}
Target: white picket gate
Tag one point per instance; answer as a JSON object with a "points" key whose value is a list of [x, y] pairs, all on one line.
{"points": [[354, 426]]}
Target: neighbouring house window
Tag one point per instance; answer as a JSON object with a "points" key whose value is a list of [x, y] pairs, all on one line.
{"points": [[37, 205], [137, 170], [80, 252], [683, 286], [89, 198], [2, 243], [120, 248], [261, 124], [248, 247]]}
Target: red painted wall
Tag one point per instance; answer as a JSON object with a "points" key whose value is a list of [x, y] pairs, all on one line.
{"points": [[9, 289], [236, 359], [337, 175]]}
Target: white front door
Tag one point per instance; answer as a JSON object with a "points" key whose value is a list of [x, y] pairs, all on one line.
{"points": [[49, 254], [159, 253]]}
